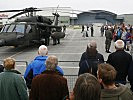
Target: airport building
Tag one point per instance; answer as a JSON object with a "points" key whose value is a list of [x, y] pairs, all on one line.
{"points": [[127, 18], [96, 16], [68, 16]]}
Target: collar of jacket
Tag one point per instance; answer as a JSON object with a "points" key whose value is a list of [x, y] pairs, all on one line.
{"points": [[41, 57], [50, 72], [12, 70], [119, 50], [114, 92]]}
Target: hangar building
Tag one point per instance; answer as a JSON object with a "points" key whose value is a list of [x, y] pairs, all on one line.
{"points": [[96, 16]]}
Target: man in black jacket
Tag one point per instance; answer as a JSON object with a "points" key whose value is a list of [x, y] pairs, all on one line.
{"points": [[120, 60]]}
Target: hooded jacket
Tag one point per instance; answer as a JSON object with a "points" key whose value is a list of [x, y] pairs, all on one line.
{"points": [[36, 67], [121, 93]]}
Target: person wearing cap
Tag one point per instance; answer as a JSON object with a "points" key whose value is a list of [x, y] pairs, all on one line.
{"points": [[109, 36], [90, 59], [120, 60], [49, 85], [37, 66]]}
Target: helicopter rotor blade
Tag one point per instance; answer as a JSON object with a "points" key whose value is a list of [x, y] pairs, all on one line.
{"points": [[30, 9], [17, 14], [10, 11], [21, 11]]}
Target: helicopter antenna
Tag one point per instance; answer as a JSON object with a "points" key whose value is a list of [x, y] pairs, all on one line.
{"points": [[56, 9], [56, 15]]}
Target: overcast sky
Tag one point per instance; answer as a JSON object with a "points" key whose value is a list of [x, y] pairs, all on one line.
{"points": [[115, 6]]}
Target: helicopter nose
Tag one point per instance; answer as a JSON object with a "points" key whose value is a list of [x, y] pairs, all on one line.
{"points": [[2, 42]]}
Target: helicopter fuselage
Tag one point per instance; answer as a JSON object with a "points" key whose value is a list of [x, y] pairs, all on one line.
{"points": [[29, 29], [18, 33]]}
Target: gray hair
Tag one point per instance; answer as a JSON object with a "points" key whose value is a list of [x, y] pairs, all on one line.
{"points": [[92, 44], [51, 62], [43, 50]]}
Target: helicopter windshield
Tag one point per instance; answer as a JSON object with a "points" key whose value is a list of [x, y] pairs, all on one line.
{"points": [[19, 28], [4, 29], [10, 29], [13, 28]]}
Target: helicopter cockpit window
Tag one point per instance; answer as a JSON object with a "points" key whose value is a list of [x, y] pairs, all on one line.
{"points": [[19, 28], [10, 29], [28, 29], [4, 29]]}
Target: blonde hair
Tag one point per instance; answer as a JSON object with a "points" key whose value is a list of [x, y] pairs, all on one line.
{"points": [[43, 50], [9, 63], [51, 62]]}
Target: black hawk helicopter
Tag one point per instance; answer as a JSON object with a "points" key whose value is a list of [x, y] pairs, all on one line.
{"points": [[30, 29]]}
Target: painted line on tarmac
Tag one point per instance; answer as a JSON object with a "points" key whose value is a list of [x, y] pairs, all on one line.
{"points": [[16, 54], [64, 67], [65, 53]]}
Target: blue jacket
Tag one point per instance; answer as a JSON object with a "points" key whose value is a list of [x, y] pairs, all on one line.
{"points": [[37, 66]]}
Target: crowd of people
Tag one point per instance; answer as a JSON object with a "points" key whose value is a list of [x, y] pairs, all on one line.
{"points": [[113, 32], [85, 32], [97, 79], [44, 78], [122, 32]]}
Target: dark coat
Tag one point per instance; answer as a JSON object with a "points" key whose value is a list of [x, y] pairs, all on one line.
{"points": [[49, 86], [120, 60], [109, 36], [83, 68], [1, 68], [130, 75]]}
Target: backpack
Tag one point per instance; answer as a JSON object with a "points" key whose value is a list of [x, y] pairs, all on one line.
{"points": [[92, 65], [119, 34]]}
